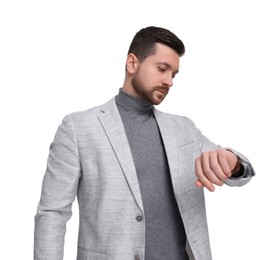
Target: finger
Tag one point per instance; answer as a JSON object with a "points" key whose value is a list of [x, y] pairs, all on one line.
{"points": [[222, 158], [207, 160], [217, 169], [202, 179], [199, 184]]}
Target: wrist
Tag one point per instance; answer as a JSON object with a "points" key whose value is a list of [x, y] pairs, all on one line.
{"points": [[236, 169]]}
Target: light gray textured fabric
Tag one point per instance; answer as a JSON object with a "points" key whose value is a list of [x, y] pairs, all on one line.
{"points": [[90, 156]]}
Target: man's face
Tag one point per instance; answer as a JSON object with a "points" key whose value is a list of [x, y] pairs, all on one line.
{"points": [[154, 76]]}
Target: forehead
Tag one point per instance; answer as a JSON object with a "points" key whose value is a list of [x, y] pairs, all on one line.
{"points": [[164, 54]]}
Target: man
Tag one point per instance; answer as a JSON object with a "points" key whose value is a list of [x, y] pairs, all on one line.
{"points": [[137, 172]]}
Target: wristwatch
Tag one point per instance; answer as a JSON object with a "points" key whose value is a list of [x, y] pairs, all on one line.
{"points": [[235, 172]]}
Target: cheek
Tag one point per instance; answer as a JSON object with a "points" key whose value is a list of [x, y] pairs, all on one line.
{"points": [[143, 82], [149, 76]]}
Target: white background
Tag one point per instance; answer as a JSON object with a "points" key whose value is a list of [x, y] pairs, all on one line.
{"points": [[57, 57]]}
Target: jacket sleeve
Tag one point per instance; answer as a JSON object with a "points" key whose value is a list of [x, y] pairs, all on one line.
{"points": [[247, 171], [58, 193]]}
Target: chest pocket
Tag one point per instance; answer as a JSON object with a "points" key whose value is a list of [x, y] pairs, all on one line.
{"points": [[187, 152]]}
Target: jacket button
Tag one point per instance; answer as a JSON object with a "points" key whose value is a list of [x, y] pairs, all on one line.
{"points": [[139, 219], [136, 257]]}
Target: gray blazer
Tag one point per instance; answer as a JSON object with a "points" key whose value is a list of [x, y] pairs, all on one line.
{"points": [[90, 157]]}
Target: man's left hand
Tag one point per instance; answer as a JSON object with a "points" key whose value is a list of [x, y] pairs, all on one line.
{"points": [[214, 167]]}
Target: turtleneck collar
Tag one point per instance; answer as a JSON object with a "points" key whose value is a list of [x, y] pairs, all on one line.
{"points": [[132, 103]]}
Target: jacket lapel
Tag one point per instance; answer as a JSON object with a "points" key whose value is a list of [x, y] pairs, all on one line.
{"points": [[113, 126], [169, 140]]}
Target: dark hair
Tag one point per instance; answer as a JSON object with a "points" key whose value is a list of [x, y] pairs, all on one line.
{"points": [[143, 43]]}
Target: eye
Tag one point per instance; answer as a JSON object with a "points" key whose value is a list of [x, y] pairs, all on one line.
{"points": [[161, 69]]}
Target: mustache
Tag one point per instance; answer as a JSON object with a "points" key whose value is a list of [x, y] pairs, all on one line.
{"points": [[163, 89]]}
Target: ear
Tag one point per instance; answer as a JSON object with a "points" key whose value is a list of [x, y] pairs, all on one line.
{"points": [[132, 63]]}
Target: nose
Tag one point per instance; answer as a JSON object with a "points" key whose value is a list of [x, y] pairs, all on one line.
{"points": [[168, 81]]}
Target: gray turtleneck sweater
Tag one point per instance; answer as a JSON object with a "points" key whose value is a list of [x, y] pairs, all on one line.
{"points": [[164, 231]]}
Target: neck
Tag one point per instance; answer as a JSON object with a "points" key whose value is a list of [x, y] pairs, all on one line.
{"points": [[133, 103]]}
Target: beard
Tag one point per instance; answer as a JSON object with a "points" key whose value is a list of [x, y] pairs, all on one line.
{"points": [[153, 95]]}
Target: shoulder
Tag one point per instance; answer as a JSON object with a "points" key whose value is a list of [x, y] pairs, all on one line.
{"points": [[91, 113], [183, 126], [177, 120], [84, 120]]}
